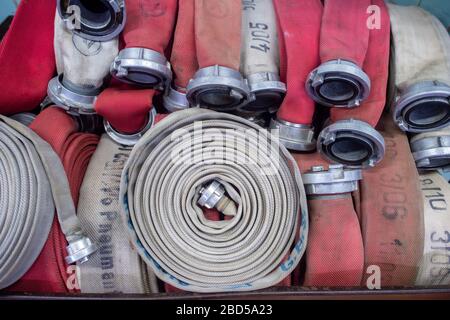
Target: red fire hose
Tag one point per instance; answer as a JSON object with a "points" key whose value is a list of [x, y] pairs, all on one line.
{"points": [[27, 51], [300, 29], [50, 272], [340, 80], [146, 35], [183, 58], [335, 253]]}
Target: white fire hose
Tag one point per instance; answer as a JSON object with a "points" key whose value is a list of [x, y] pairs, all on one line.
{"points": [[116, 266], [32, 183], [160, 188]]}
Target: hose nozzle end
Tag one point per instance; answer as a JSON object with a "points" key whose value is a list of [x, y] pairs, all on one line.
{"points": [[80, 250]]}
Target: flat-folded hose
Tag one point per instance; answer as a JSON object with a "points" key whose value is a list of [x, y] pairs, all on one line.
{"points": [[160, 188]]}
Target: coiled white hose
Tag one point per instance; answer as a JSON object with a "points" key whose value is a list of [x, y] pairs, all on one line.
{"points": [[160, 188]]}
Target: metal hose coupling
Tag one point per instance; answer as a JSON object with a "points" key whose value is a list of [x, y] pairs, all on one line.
{"points": [[80, 248], [175, 100], [423, 107], [143, 67], [431, 150], [336, 180], [338, 83], [96, 20], [294, 136], [218, 88], [212, 195], [353, 143], [129, 139]]}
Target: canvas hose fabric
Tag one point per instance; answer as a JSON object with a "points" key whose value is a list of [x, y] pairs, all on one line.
{"points": [[260, 56], [50, 272], [27, 51], [147, 33], [218, 84], [33, 169], [344, 38], [183, 58], [300, 33], [335, 252], [421, 64], [435, 264], [160, 188], [116, 267], [392, 212], [357, 142]]}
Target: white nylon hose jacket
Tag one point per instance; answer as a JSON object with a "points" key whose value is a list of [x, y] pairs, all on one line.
{"points": [[84, 62], [32, 184], [116, 267], [422, 46], [160, 187], [259, 38], [435, 266]]}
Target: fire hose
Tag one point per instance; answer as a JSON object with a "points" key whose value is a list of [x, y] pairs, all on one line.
{"points": [[218, 84], [340, 80], [335, 253], [300, 32], [350, 137], [146, 36], [34, 173], [116, 267], [422, 70], [435, 265], [27, 51], [183, 58], [260, 56], [392, 212], [160, 188]]}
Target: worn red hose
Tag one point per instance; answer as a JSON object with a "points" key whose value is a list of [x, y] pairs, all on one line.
{"points": [[27, 57], [183, 58], [218, 33], [392, 212], [149, 24], [50, 273], [344, 33], [299, 45], [335, 253], [376, 65], [125, 108]]}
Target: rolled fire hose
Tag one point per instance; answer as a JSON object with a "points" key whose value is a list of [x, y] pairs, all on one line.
{"points": [[148, 31], [218, 84], [184, 58], [340, 80], [435, 265], [82, 65], [392, 212], [128, 113], [431, 150], [96, 20], [50, 272], [335, 253], [350, 138], [422, 70], [116, 266], [260, 56], [160, 188], [300, 30], [27, 50], [35, 176]]}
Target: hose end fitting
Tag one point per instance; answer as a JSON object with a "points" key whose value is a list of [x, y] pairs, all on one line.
{"points": [[431, 151], [213, 196], [338, 83], [335, 180], [353, 143], [143, 67], [80, 249], [293, 136], [218, 88], [175, 100], [423, 107]]}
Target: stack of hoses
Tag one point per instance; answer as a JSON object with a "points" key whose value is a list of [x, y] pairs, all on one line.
{"points": [[160, 188]]}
